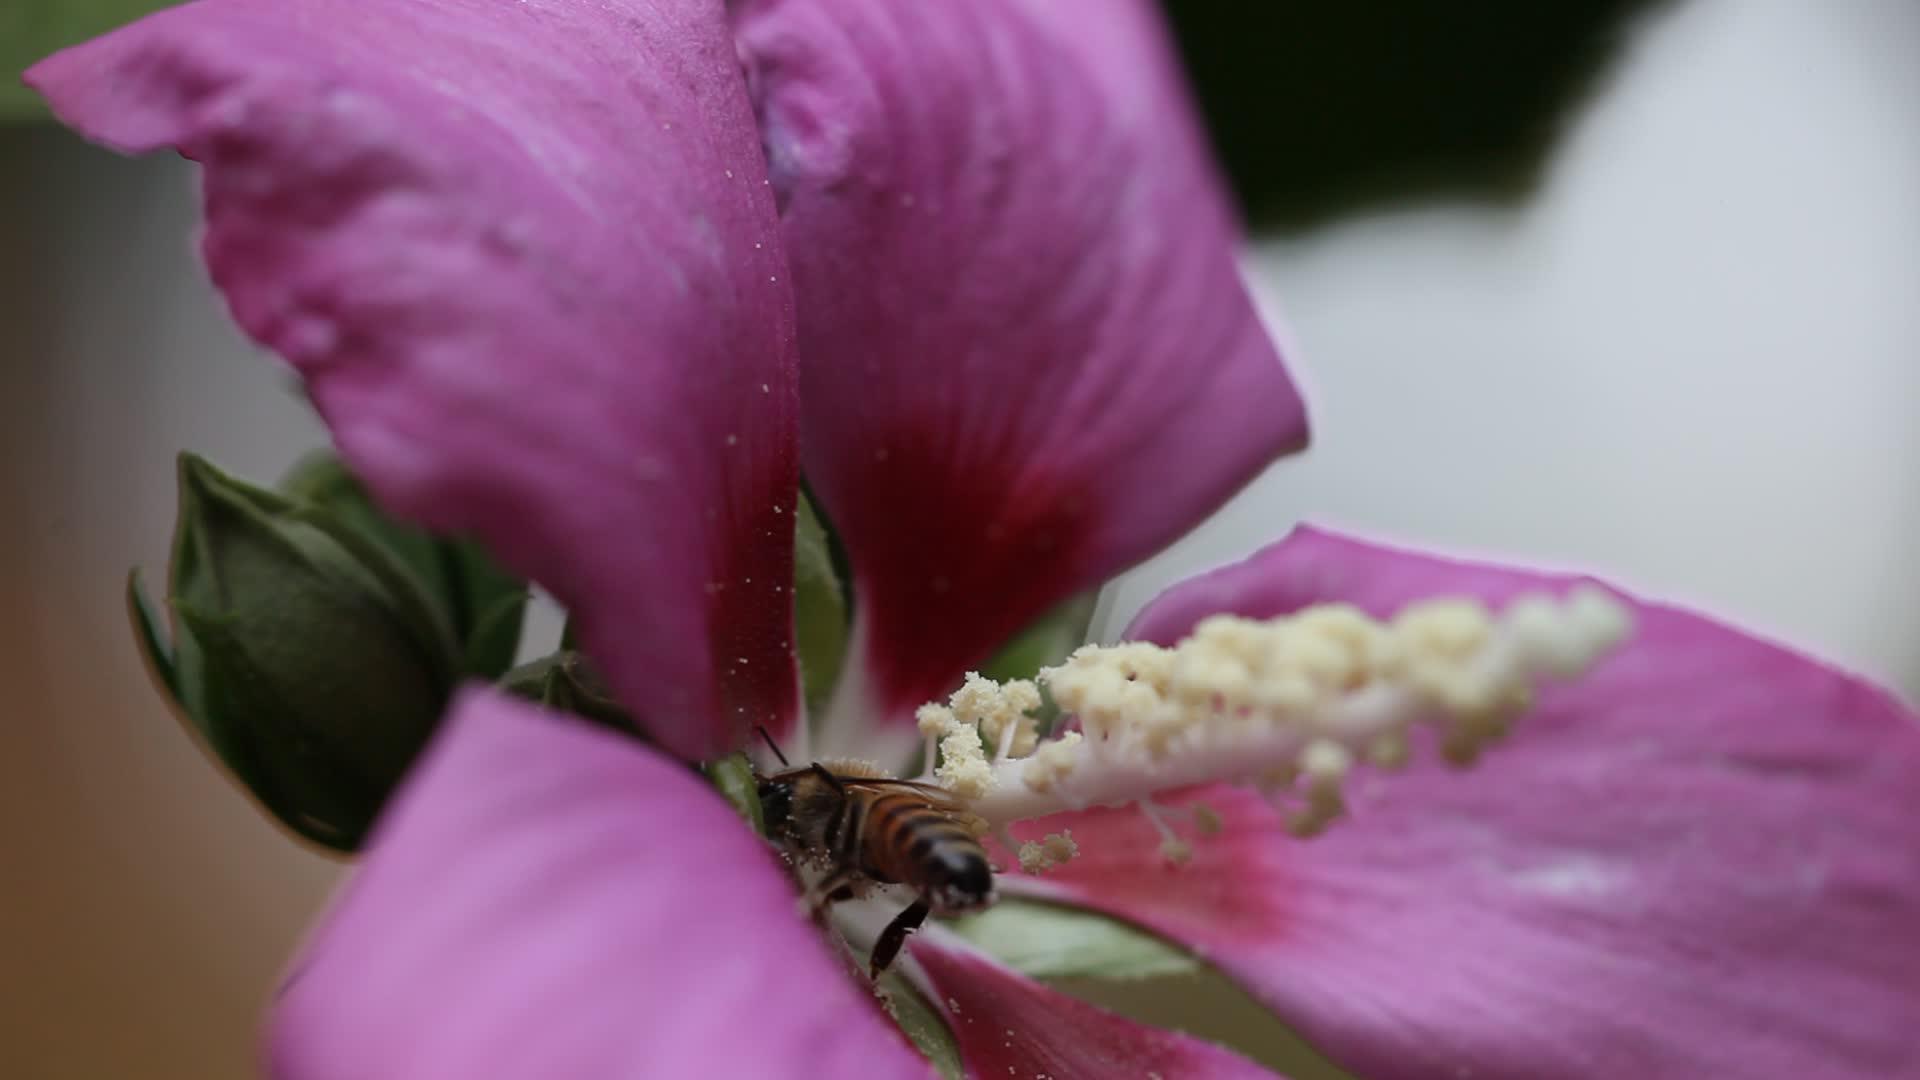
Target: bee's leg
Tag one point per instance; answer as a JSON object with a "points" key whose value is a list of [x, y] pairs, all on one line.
{"points": [[895, 935], [828, 892]]}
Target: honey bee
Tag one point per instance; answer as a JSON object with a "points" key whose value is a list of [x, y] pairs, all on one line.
{"points": [[873, 828]]}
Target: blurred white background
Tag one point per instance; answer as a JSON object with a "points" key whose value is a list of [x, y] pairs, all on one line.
{"points": [[1690, 364]]}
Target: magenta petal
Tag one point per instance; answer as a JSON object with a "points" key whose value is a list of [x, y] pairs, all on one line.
{"points": [[1009, 1025], [1700, 860], [526, 258], [545, 899], [1027, 358]]}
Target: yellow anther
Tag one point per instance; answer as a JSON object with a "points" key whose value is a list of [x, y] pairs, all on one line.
{"points": [[935, 720], [1389, 750], [1207, 819], [1286, 705], [1279, 776], [1048, 852], [1201, 678], [1450, 629], [1138, 701], [963, 763], [1323, 806], [1285, 692], [1347, 626], [1149, 665], [1052, 763], [995, 707], [1325, 763]]}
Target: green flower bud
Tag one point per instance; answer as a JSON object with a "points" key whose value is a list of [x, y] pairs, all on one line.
{"points": [[733, 777], [305, 653]]}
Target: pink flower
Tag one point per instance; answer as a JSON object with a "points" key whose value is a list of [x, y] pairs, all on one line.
{"points": [[578, 277]]}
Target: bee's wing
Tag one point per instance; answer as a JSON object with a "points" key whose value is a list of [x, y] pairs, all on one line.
{"points": [[935, 795]]}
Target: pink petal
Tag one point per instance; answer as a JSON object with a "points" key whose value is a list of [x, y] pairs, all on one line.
{"points": [[1698, 861], [1009, 1025], [525, 256], [1235, 888], [1027, 358], [545, 899]]}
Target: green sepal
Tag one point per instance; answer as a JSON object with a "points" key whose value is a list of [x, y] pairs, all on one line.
{"points": [[733, 777], [566, 682], [489, 606], [837, 556], [819, 607], [489, 650], [1049, 941], [480, 605], [922, 1023], [573, 686], [149, 637], [1047, 640]]}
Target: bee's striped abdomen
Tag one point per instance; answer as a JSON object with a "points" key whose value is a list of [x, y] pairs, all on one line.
{"points": [[920, 845]]}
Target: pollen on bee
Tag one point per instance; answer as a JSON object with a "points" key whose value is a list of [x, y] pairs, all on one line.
{"points": [[856, 767], [1290, 707]]}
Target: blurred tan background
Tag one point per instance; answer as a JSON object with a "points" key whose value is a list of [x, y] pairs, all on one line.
{"points": [[1691, 362], [147, 907]]}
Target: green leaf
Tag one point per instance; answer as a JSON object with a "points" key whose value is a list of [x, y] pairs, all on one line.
{"points": [[1049, 941], [819, 607], [1129, 971], [1210, 1006], [32, 29], [734, 778], [148, 637], [922, 1024], [1047, 640]]}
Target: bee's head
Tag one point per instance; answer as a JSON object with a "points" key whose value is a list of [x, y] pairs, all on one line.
{"points": [[960, 880], [776, 802]]}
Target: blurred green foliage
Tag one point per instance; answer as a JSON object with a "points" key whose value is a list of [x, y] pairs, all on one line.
{"points": [[1318, 109], [30, 29]]}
